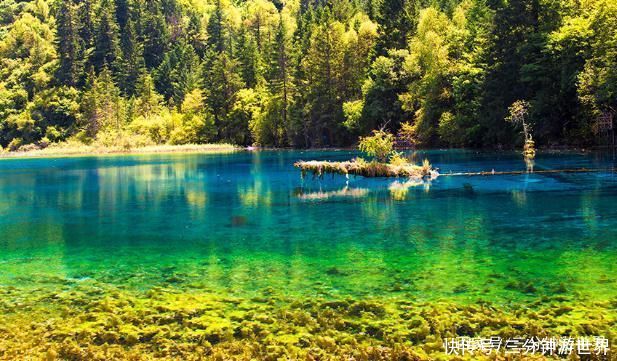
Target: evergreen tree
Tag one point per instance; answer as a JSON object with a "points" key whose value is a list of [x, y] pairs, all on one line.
{"points": [[122, 13], [179, 73], [216, 30], [132, 62], [445, 69], [156, 38], [395, 24], [85, 12], [514, 22], [69, 45], [280, 83], [100, 105], [221, 85], [249, 58], [323, 70], [106, 46], [148, 100]]}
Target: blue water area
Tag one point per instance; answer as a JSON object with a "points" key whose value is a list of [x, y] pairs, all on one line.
{"points": [[239, 223]]}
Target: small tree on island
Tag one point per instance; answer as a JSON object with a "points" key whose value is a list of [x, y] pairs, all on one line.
{"points": [[379, 145], [518, 112]]}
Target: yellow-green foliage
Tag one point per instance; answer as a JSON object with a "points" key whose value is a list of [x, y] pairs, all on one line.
{"points": [[353, 113], [156, 127], [408, 132], [398, 159], [194, 124], [529, 150], [378, 145], [426, 167]]}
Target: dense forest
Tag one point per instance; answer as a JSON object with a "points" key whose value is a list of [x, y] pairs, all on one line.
{"points": [[303, 73]]}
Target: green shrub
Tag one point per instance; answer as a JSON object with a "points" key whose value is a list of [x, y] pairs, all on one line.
{"points": [[15, 144], [379, 145], [157, 127], [353, 112]]}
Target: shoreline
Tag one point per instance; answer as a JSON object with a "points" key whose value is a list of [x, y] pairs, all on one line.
{"points": [[90, 151]]}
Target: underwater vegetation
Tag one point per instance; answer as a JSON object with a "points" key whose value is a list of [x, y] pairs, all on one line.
{"points": [[90, 320]]}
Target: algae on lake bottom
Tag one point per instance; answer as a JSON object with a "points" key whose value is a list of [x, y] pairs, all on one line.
{"points": [[86, 320]]}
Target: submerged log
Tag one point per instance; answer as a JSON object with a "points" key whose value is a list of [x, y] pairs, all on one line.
{"points": [[366, 169], [519, 172]]}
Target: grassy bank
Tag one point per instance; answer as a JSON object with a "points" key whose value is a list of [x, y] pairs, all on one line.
{"points": [[79, 149]]}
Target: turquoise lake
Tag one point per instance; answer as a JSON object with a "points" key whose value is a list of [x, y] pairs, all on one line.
{"points": [[240, 223]]}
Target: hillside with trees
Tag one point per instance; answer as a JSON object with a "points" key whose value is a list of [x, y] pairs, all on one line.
{"points": [[303, 73]]}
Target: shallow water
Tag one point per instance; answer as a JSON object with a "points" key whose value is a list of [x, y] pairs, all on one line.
{"points": [[242, 224]]}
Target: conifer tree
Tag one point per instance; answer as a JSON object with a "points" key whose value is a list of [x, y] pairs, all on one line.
{"points": [[280, 80], [69, 45], [155, 34], [216, 31], [132, 62], [106, 45]]}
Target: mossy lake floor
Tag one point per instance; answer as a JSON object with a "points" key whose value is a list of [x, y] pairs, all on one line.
{"points": [[85, 320]]}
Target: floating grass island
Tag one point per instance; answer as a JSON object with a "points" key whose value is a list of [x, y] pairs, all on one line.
{"points": [[361, 167], [386, 162]]}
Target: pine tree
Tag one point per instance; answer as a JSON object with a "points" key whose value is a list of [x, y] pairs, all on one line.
{"points": [[179, 73], [148, 100], [106, 50], [132, 62], [249, 58], [279, 79], [216, 31], [323, 69], [100, 104], [221, 83], [87, 29], [395, 24], [156, 38], [122, 13], [69, 45]]}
